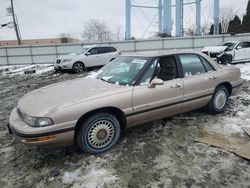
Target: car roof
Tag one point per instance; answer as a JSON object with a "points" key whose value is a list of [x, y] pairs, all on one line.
{"points": [[92, 46], [157, 54], [161, 53]]}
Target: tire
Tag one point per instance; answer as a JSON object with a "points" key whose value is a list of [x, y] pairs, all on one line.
{"points": [[78, 67], [103, 125], [226, 59], [219, 100]]}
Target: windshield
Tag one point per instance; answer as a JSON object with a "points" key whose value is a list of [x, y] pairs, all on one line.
{"points": [[82, 51], [122, 70], [230, 45]]}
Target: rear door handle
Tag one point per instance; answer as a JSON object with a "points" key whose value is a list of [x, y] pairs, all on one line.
{"points": [[212, 77], [175, 86]]}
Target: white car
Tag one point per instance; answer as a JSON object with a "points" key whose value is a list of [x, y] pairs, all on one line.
{"points": [[89, 56], [230, 52]]}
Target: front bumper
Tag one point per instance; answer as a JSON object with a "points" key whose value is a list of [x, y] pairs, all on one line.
{"points": [[61, 135], [63, 65]]}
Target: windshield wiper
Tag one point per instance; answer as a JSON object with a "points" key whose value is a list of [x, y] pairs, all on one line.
{"points": [[108, 80]]}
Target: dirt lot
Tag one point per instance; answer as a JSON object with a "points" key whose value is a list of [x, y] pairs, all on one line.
{"points": [[159, 154]]}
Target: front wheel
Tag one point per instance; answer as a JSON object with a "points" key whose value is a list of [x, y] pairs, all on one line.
{"points": [[219, 100], [226, 59], [99, 133], [78, 67]]}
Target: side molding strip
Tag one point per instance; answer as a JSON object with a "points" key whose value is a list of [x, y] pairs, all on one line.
{"points": [[167, 105]]}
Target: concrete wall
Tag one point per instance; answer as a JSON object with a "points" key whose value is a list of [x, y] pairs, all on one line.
{"points": [[38, 54]]}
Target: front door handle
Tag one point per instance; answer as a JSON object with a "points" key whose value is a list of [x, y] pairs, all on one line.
{"points": [[175, 86], [212, 77]]}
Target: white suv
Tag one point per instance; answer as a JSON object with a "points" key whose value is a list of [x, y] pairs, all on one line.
{"points": [[89, 56], [230, 52]]}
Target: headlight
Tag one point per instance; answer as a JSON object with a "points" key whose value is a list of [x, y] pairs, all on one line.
{"points": [[37, 121]]}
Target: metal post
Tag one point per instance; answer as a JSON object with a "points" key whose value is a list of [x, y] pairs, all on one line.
{"points": [[182, 8], [128, 20], [56, 51], [160, 15], [167, 17], [198, 17], [216, 16], [15, 24], [179, 18], [7, 56], [31, 55]]}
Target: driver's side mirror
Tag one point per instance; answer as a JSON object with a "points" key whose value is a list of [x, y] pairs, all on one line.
{"points": [[155, 82], [88, 53]]}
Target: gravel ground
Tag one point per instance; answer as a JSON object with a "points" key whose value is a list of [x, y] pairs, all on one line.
{"points": [[158, 154]]}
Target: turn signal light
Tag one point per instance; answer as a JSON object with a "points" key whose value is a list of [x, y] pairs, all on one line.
{"points": [[39, 139]]}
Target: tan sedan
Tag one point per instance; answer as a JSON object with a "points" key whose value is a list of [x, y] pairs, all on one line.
{"points": [[131, 90]]}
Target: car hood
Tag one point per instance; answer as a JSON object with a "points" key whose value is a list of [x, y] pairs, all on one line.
{"points": [[214, 49], [49, 99], [68, 57]]}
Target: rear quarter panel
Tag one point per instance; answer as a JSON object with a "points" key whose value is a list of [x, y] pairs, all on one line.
{"points": [[229, 74]]}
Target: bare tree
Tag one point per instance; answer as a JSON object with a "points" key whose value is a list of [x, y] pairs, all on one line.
{"points": [[226, 14], [205, 28], [118, 32], [190, 30], [96, 31]]}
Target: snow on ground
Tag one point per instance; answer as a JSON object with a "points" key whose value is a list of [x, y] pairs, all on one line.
{"points": [[245, 70], [12, 70], [90, 178]]}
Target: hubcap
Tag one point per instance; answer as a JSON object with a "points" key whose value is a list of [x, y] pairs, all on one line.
{"points": [[78, 67], [101, 134], [220, 100]]}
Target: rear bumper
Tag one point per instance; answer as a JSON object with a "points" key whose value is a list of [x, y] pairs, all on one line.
{"points": [[34, 136]]}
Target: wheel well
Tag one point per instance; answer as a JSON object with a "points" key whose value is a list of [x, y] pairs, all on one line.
{"points": [[79, 62], [228, 86], [112, 110]]}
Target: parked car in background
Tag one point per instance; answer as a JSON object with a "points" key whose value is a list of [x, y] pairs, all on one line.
{"points": [[130, 90], [229, 52], [89, 56]]}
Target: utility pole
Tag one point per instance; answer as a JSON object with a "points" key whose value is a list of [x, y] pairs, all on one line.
{"points": [[198, 17], [167, 17], [128, 20], [15, 24], [179, 18], [216, 17]]}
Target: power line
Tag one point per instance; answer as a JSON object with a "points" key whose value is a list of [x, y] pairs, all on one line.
{"points": [[25, 18]]}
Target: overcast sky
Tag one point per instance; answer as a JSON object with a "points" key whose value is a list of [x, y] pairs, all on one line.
{"points": [[50, 18]]}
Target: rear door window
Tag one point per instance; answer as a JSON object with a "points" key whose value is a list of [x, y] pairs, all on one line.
{"points": [[191, 65], [102, 50], [247, 44], [112, 49]]}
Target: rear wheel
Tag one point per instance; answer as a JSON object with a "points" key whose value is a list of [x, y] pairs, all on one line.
{"points": [[219, 100], [99, 133], [78, 67]]}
